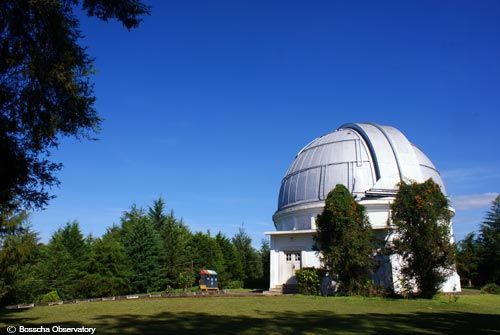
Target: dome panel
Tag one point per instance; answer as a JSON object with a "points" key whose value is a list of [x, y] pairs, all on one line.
{"points": [[318, 155], [311, 188], [403, 151], [336, 174], [427, 169], [363, 176], [422, 158]]}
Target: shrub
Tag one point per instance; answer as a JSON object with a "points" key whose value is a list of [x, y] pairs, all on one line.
{"points": [[308, 281], [372, 290], [234, 284], [185, 279], [491, 288], [52, 296]]}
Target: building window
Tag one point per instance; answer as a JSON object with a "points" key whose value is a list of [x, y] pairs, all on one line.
{"points": [[297, 257], [288, 257]]}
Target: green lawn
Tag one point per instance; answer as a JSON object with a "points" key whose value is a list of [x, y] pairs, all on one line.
{"points": [[471, 314]]}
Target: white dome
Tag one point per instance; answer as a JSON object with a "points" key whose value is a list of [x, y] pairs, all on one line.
{"points": [[367, 158]]}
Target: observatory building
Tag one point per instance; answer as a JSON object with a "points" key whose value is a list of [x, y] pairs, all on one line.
{"points": [[370, 160]]}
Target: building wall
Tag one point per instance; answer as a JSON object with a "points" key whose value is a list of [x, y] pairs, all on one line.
{"points": [[293, 242], [292, 236]]}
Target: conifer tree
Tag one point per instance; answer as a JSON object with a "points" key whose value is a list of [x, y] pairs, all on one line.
{"points": [[233, 267], [107, 269], [176, 247], [19, 254], [144, 249], [156, 214], [45, 89], [206, 253], [489, 245], [468, 259], [73, 240], [265, 254], [252, 264], [58, 269]]}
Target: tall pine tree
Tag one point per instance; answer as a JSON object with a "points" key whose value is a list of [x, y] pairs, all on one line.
{"points": [[252, 264], [58, 269], [233, 267], [178, 254], [489, 245], [468, 259], [144, 248], [265, 254], [206, 253], [19, 256], [107, 269], [156, 214]]}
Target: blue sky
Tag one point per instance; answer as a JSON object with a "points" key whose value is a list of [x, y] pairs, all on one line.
{"points": [[207, 103]]}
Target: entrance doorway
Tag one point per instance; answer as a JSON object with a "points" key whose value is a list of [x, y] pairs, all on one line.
{"points": [[292, 262]]}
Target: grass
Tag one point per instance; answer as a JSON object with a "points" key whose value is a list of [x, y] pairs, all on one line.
{"points": [[471, 314]]}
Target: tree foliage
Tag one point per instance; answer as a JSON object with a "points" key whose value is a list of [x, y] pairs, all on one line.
{"points": [[19, 253], [59, 268], [250, 258], [73, 240], [265, 255], [489, 245], [308, 281], [148, 251], [143, 246], [156, 214], [476, 254], [176, 245], [422, 217], [45, 89], [468, 259], [233, 266], [107, 269], [345, 240], [206, 253]]}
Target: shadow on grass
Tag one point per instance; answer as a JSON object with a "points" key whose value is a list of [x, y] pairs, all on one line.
{"points": [[320, 322]]}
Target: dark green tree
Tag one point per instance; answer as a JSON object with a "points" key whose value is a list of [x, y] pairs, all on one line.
{"points": [[265, 255], [468, 259], [156, 214], [144, 249], [176, 247], [107, 269], [206, 253], [422, 217], [19, 255], [45, 89], [77, 248], [12, 222], [252, 263], [489, 245], [345, 241], [58, 269], [129, 219], [73, 240], [233, 267]]}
